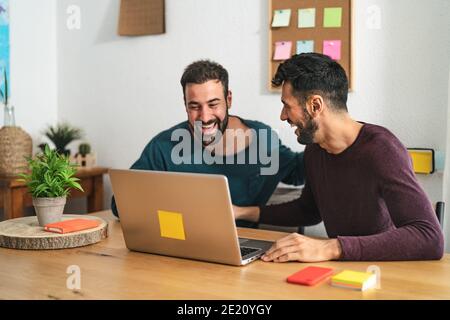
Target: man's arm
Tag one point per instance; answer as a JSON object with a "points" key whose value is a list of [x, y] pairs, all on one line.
{"points": [[294, 247], [299, 212], [417, 235], [151, 159]]}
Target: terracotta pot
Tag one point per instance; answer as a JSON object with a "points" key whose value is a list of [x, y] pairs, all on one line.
{"points": [[49, 210]]}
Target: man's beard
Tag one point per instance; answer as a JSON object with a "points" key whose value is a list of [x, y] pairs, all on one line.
{"points": [[209, 139], [307, 132]]}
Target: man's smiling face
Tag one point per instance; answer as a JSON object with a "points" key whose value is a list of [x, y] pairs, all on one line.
{"points": [[207, 109], [297, 116]]}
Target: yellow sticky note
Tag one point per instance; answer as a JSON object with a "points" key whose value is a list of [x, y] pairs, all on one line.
{"points": [[281, 18], [171, 225], [423, 160], [354, 280], [352, 277], [307, 18]]}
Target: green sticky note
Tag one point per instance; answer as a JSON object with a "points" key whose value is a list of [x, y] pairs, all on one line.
{"points": [[307, 18], [281, 18], [332, 17], [171, 225]]}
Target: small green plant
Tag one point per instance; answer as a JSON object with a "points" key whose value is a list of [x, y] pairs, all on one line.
{"points": [[84, 149], [61, 135], [51, 176]]}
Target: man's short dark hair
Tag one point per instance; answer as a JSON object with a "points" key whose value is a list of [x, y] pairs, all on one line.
{"points": [[202, 71], [315, 73]]}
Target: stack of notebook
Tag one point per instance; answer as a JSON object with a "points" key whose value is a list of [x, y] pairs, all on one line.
{"points": [[354, 280]]}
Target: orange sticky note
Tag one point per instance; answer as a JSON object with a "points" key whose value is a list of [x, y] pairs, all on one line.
{"points": [[283, 50]]}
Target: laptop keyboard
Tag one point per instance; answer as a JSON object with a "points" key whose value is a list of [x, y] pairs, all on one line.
{"points": [[246, 250]]}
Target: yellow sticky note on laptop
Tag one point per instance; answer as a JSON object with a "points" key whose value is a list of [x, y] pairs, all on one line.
{"points": [[171, 225]]}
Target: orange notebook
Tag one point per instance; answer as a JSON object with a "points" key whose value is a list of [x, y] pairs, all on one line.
{"points": [[72, 225]]}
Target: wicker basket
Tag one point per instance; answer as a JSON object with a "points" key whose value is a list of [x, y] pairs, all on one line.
{"points": [[15, 145]]}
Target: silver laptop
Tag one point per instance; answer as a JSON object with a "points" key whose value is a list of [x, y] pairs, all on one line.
{"points": [[184, 215]]}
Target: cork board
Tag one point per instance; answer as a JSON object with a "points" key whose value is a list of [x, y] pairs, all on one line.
{"points": [[141, 17], [318, 33], [26, 234]]}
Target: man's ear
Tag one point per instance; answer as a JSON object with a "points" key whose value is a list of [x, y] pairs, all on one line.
{"points": [[317, 105], [229, 99]]}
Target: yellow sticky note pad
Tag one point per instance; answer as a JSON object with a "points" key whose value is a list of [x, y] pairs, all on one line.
{"points": [[171, 225], [354, 280], [423, 160], [352, 277]]}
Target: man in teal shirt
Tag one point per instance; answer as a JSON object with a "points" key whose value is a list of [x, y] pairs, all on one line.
{"points": [[247, 152]]}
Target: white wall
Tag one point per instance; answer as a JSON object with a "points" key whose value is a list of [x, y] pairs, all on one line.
{"points": [[123, 91], [33, 64]]}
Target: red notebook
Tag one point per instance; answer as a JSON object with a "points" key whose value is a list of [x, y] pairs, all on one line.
{"points": [[309, 276], [72, 225]]}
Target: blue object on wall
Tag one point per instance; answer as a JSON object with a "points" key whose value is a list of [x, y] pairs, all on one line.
{"points": [[4, 43]]}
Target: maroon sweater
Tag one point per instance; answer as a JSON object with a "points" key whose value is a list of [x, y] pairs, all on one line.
{"points": [[368, 198]]}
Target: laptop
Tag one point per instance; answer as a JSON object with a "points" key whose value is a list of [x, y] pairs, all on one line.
{"points": [[186, 215]]}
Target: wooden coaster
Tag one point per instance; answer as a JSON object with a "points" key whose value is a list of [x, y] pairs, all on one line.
{"points": [[25, 233]]}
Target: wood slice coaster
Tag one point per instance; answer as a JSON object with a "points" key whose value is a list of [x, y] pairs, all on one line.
{"points": [[25, 233]]}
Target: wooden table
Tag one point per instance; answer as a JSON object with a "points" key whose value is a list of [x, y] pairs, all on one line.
{"points": [[110, 271], [14, 196]]}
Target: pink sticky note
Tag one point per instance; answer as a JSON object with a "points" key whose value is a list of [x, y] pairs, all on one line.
{"points": [[282, 50], [332, 48]]}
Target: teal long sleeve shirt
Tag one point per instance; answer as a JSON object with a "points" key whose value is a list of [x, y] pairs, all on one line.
{"points": [[248, 187]]}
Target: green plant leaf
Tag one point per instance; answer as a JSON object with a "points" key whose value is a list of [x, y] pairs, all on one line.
{"points": [[76, 185]]}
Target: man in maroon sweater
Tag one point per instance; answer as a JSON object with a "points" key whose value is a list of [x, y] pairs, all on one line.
{"points": [[359, 178]]}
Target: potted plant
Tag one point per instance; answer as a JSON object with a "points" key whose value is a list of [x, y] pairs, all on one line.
{"points": [[84, 157], [84, 149], [61, 135], [49, 181]]}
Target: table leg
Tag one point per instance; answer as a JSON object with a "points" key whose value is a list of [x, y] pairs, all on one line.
{"points": [[13, 202], [95, 199]]}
